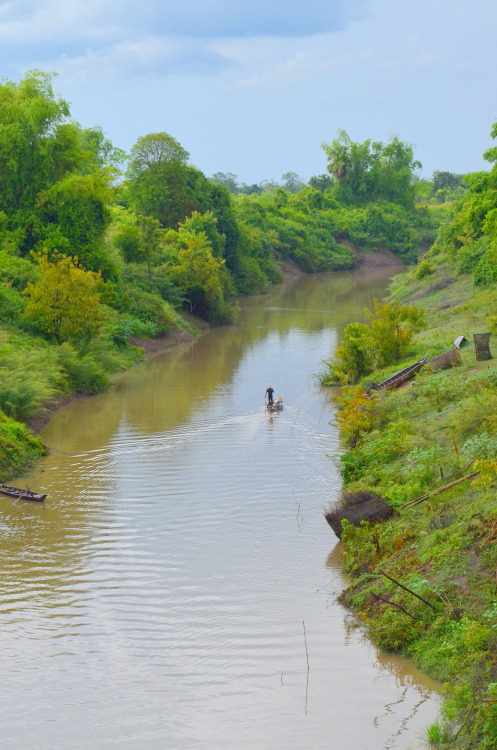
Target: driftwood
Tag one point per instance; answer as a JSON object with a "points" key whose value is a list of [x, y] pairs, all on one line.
{"points": [[409, 591], [420, 499]]}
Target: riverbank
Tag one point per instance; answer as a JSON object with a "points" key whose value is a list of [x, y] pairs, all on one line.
{"points": [[126, 476], [194, 327], [440, 544]]}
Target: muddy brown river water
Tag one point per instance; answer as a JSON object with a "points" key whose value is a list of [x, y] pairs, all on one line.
{"points": [[170, 590]]}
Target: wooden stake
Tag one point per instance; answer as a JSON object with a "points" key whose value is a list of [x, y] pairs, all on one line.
{"points": [[455, 446], [305, 642], [317, 426]]}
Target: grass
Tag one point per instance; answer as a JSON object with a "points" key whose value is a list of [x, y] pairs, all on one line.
{"points": [[445, 548]]}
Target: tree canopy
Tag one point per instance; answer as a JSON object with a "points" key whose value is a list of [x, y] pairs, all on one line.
{"points": [[372, 170]]}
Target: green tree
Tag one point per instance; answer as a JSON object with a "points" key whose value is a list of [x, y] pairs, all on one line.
{"points": [[38, 146], [392, 329], [101, 152], [157, 178], [208, 223], [151, 237], [227, 180], [353, 358], [367, 347], [321, 182], [65, 302], [372, 170], [292, 182], [197, 272], [74, 214]]}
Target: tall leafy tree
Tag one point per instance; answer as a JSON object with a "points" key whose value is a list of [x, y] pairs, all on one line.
{"points": [[157, 178], [38, 146], [197, 272], [372, 170]]}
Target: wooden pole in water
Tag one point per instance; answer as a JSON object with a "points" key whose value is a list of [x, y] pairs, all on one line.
{"points": [[305, 642], [295, 421], [319, 422]]}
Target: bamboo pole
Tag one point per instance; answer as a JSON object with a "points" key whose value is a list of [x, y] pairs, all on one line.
{"points": [[409, 591], [393, 604], [305, 642], [420, 499], [295, 421]]}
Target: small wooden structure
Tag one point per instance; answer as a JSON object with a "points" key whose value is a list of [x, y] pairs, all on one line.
{"points": [[356, 507], [460, 342], [450, 358], [482, 348]]}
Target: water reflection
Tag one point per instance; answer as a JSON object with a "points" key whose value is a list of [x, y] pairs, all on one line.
{"points": [[158, 598]]}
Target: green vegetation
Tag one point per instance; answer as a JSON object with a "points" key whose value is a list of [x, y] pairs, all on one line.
{"points": [[368, 347], [405, 444], [100, 250]]}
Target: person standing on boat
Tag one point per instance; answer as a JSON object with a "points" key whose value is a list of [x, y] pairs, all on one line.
{"points": [[269, 394]]}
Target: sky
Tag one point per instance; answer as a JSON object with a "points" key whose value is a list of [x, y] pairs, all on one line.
{"points": [[255, 87]]}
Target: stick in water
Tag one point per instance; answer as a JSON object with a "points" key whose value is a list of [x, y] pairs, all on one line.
{"points": [[305, 642]]}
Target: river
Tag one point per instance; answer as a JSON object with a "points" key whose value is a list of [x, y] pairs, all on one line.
{"points": [[177, 589]]}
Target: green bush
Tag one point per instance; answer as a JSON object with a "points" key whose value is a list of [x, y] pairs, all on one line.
{"points": [[11, 304], [19, 449], [84, 373], [28, 379], [424, 268]]}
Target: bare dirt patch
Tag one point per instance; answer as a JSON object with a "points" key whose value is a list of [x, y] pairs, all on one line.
{"points": [[382, 258]]}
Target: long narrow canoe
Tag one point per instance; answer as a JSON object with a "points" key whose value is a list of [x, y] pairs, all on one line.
{"points": [[400, 377], [21, 494]]}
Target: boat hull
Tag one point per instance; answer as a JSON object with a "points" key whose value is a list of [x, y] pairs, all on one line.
{"points": [[400, 377], [21, 494]]}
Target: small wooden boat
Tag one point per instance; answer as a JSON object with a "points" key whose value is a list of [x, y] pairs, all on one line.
{"points": [[21, 494], [277, 404], [400, 377]]}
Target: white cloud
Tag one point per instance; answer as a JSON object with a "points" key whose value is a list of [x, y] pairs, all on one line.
{"points": [[130, 60], [302, 66], [33, 20]]}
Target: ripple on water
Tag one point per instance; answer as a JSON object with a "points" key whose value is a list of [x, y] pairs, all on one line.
{"points": [[158, 599]]}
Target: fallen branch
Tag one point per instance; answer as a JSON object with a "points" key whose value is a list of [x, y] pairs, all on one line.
{"points": [[420, 499], [393, 604], [409, 591]]}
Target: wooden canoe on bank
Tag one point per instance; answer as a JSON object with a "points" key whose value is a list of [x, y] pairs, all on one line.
{"points": [[20, 494], [400, 377]]}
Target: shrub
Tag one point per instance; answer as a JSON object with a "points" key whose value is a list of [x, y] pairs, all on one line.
{"points": [[28, 379], [19, 449], [424, 268], [84, 373]]}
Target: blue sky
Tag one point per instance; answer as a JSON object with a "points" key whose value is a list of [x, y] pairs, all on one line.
{"points": [[255, 87]]}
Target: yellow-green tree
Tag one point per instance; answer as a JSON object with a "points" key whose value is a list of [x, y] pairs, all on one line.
{"points": [[392, 329], [64, 302], [368, 347], [197, 272]]}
